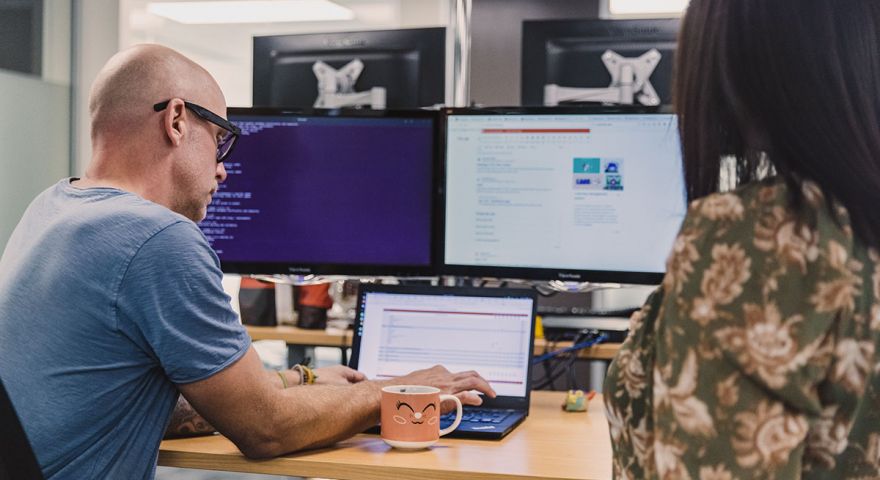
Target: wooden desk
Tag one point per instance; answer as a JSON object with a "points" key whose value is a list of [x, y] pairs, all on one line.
{"points": [[302, 336], [339, 338], [550, 444]]}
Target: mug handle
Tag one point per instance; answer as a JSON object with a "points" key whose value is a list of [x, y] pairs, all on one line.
{"points": [[457, 414]]}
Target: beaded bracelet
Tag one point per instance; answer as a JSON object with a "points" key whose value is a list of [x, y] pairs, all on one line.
{"points": [[306, 375]]}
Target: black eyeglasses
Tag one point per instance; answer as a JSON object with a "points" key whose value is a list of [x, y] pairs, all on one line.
{"points": [[224, 146]]}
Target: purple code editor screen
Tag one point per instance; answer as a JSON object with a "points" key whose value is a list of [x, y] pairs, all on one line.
{"points": [[319, 190]]}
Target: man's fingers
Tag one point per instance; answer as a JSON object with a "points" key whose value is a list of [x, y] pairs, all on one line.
{"points": [[470, 398], [351, 375], [474, 383], [464, 375], [467, 398]]}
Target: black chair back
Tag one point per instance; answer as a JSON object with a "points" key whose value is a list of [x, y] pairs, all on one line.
{"points": [[17, 460]]}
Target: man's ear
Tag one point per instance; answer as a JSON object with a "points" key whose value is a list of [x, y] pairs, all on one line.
{"points": [[175, 121]]}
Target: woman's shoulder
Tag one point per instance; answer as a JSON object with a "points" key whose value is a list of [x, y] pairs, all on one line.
{"points": [[762, 225], [735, 204], [762, 207]]}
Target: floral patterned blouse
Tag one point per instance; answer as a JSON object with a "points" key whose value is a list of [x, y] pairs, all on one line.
{"points": [[756, 356]]}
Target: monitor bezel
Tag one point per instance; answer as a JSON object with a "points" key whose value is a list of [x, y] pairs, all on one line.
{"points": [[539, 273], [497, 402], [303, 268]]}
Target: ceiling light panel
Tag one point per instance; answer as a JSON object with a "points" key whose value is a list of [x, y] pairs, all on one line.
{"points": [[256, 11], [641, 7]]}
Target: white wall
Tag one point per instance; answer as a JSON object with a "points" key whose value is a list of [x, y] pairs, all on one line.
{"points": [[34, 142], [496, 43], [56, 41], [35, 121], [96, 39]]}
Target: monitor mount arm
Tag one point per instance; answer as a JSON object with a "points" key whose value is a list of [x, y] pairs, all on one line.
{"points": [[630, 80], [336, 87]]}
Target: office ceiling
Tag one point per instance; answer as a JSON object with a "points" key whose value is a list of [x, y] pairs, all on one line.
{"points": [[226, 49]]}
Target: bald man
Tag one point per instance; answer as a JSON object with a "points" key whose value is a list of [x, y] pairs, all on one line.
{"points": [[111, 302]]}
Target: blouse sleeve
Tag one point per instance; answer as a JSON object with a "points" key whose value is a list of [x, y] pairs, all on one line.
{"points": [[758, 301]]}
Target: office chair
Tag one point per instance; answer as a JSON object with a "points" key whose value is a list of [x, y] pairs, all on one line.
{"points": [[17, 460]]}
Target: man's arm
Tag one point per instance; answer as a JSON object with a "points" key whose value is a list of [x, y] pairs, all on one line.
{"points": [[186, 422], [246, 406]]}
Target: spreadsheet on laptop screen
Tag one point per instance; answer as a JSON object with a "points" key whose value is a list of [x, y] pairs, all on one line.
{"points": [[405, 332]]}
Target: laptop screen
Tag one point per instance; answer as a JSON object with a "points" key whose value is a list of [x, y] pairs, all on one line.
{"points": [[399, 331]]}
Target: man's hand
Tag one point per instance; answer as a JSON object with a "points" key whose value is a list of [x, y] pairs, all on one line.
{"points": [[338, 375], [460, 384]]}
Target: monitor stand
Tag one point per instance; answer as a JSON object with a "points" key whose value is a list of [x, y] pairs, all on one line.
{"points": [[569, 298], [630, 81], [336, 87]]}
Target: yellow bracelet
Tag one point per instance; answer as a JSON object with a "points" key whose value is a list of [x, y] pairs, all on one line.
{"points": [[306, 375], [310, 375], [281, 375]]}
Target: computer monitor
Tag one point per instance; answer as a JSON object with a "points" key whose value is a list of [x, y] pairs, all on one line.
{"points": [[562, 193], [328, 192], [408, 64], [574, 54]]}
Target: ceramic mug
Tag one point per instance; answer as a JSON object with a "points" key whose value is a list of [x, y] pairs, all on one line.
{"points": [[411, 416]]}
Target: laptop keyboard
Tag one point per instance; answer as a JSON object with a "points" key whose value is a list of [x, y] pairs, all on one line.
{"points": [[481, 415]]}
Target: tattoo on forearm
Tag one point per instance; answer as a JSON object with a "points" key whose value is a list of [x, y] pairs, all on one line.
{"points": [[186, 422]]}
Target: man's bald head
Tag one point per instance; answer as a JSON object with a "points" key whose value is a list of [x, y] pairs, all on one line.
{"points": [[136, 78], [167, 157]]}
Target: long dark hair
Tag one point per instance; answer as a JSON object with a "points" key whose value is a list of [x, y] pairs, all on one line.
{"points": [[792, 82]]}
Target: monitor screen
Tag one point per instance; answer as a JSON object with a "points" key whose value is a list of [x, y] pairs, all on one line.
{"points": [[327, 192], [490, 333], [562, 194], [409, 64], [569, 53]]}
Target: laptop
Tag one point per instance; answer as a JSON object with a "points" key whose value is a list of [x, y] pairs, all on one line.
{"points": [[399, 329]]}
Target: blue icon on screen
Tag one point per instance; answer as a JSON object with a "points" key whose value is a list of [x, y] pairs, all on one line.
{"points": [[613, 182]]}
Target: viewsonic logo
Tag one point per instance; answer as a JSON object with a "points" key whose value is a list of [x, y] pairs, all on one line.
{"points": [[345, 42]]}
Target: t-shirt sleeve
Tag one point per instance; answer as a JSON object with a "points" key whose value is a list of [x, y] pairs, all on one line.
{"points": [[171, 303]]}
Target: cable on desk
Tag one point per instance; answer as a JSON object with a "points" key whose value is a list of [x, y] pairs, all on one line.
{"points": [[598, 338], [549, 346], [567, 358], [554, 367]]}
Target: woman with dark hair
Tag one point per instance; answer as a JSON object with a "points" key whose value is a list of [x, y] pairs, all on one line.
{"points": [[758, 355]]}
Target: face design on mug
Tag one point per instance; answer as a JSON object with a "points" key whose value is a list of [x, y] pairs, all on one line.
{"points": [[416, 413]]}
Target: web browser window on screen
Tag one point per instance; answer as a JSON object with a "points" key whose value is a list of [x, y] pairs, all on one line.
{"points": [[586, 192]]}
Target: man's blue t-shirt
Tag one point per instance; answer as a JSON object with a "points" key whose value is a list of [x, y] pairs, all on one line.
{"points": [[107, 301]]}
